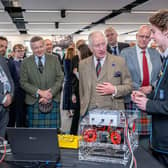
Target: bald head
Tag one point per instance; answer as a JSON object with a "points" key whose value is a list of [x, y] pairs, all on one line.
{"points": [[48, 46], [143, 36], [111, 36]]}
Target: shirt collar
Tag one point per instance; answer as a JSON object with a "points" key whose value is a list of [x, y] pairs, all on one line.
{"points": [[139, 50], [112, 46], [101, 60], [165, 54], [18, 59]]}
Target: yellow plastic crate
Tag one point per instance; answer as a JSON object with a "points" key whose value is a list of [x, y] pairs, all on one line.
{"points": [[68, 141]]}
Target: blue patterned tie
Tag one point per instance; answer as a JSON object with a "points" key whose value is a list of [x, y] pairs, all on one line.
{"points": [[98, 67], [115, 50], [40, 65]]}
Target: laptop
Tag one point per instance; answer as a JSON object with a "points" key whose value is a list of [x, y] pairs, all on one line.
{"points": [[33, 145]]}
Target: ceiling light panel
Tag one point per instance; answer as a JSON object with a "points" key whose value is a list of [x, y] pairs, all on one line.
{"points": [[129, 17], [74, 4], [152, 5]]}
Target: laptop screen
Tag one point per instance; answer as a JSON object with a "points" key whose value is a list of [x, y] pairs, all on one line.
{"points": [[38, 141]]}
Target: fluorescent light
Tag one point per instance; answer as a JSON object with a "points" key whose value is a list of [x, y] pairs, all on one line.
{"points": [[6, 23], [7, 30], [41, 11], [51, 23], [89, 11], [70, 11], [127, 23], [143, 12], [40, 23]]}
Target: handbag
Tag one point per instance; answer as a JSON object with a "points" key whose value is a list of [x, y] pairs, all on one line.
{"points": [[45, 108]]}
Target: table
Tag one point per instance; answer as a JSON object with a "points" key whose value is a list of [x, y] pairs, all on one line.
{"points": [[69, 159]]}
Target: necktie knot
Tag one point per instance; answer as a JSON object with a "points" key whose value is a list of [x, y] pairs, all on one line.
{"points": [[143, 51], [40, 65]]}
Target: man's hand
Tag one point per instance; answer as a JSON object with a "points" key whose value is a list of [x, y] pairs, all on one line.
{"points": [[140, 99], [105, 89], [146, 89], [8, 100], [141, 102], [43, 100], [136, 93], [45, 94], [74, 98]]}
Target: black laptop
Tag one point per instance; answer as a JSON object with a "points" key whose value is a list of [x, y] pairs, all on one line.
{"points": [[33, 145]]}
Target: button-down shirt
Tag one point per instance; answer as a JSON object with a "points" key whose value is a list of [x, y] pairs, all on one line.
{"points": [[140, 61], [42, 60]]}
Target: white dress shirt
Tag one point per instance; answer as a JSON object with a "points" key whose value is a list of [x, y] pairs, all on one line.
{"points": [[140, 61]]}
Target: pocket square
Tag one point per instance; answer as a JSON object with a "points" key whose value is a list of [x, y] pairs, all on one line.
{"points": [[117, 74]]}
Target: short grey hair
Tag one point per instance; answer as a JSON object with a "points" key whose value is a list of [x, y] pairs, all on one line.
{"points": [[91, 35]]}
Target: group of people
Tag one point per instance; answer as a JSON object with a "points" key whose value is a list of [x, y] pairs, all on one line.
{"points": [[137, 80], [105, 74]]}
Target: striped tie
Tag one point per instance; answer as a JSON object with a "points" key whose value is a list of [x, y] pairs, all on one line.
{"points": [[98, 67], [40, 65]]}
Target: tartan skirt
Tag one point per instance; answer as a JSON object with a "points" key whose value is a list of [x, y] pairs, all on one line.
{"points": [[44, 120], [144, 122]]}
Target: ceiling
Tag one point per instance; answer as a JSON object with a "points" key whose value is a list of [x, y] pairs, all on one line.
{"points": [[74, 17]]}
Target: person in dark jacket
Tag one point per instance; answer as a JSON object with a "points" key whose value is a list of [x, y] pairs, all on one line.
{"points": [[17, 113], [113, 46], [83, 53], [157, 102]]}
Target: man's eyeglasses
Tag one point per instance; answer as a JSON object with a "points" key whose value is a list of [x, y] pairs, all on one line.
{"points": [[142, 37]]}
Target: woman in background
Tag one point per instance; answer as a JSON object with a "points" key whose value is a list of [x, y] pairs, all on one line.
{"points": [[67, 90], [83, 52]]}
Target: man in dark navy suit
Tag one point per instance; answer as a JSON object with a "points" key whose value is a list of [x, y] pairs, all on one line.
{"points": [[157, 102], [17, 113], [114, 47]]}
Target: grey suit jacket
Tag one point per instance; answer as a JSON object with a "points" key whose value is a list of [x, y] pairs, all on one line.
{"points": [[31, 81], [6, 70], [130, 55], [117, 74]]}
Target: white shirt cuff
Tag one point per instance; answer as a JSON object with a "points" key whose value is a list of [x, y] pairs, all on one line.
{"points": [[115, 92], [4, 100]]}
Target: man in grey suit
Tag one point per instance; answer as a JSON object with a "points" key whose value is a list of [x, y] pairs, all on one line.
{"points": [[114, 47], [6, 87], [104, 79], [142, 80], [41, 78]]}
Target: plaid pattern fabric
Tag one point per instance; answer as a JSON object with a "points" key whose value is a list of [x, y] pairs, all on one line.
{"points": [[42, 120], [144, 122]]}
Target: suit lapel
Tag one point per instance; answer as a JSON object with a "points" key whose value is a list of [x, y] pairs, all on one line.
{"points": [[136, 62], [152, 61], [87, 71], [104, 68], [34, 70], [111, 67]]}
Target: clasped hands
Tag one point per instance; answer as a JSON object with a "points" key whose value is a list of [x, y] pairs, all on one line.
{"points": [[45, 96], [140, 99]]}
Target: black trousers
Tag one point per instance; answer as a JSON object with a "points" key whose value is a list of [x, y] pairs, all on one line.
{"points": [[161, 157]]}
